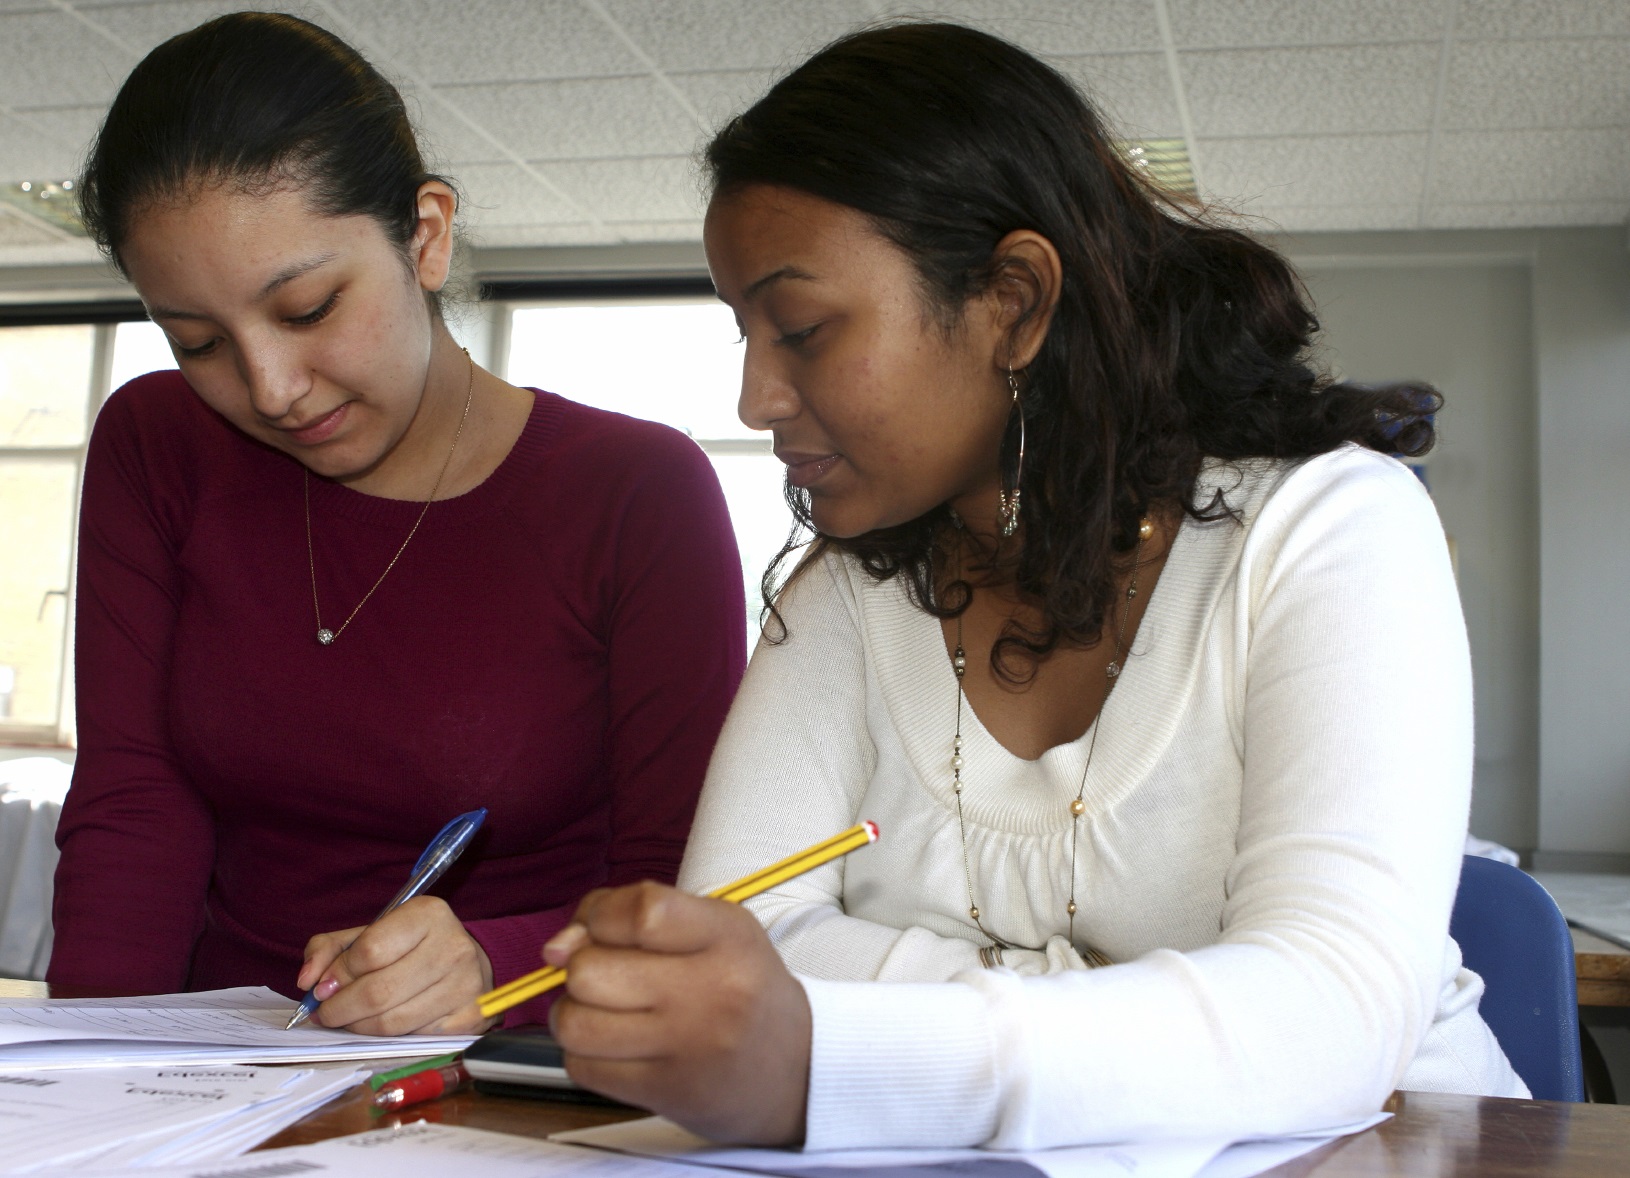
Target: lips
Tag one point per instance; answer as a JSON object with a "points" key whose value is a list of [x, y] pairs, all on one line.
{"points": [[804, 470], [321, 429]]}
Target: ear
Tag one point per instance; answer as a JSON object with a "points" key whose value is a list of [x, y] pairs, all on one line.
{"points": [[430, 251], [1025, 293]]}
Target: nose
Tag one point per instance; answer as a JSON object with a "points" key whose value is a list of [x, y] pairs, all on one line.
{"points": [[767, 396], [275, 377]]}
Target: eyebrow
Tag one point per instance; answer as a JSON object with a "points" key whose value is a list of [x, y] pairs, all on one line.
{"points": [[790, 272], [282, 277]]}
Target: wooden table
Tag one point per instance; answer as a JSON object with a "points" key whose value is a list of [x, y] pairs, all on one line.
{"points": [[1602, 969], [1430, 1135]]}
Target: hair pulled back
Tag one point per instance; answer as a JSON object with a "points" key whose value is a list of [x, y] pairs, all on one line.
{"points": [[1175, 339], [259, 100]]}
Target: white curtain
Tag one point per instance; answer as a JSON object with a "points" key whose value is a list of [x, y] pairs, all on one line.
{"points": [[31, 793]]}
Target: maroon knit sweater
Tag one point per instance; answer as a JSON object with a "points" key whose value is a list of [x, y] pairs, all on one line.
{"points": [[559, 645]]}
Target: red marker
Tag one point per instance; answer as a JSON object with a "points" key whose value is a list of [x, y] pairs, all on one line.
{"points": [[430, 1084]]}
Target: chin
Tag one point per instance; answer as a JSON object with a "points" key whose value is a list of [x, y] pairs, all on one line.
{"points": [[846, 522], [339, 463]]}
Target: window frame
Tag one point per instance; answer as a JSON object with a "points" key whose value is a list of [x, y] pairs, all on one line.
{"points": [[104, 316]]}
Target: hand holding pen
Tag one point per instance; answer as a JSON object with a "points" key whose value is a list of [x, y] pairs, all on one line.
{"points": [[414, 968]]}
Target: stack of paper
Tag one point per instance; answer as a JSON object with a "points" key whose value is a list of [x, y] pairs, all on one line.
{"points": [[137, 1117], [213, 1027], [656, 1138], [427, 1151]]}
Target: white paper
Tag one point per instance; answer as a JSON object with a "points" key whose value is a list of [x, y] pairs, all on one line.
{"points": [[141, 1116], [1246, 1159], [655, 1137], [423, 1150], [214, 1027]]}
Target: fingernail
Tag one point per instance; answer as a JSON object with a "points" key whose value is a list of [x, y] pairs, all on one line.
{"points": [[325, 989], [564, 943]]}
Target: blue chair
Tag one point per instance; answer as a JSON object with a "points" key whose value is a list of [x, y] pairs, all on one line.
{"points": [[1511, 932]]}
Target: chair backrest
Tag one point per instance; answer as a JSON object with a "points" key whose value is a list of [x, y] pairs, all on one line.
{"points": [[1510, 931]]}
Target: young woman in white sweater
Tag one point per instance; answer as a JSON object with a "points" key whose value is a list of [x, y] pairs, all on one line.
{"points": [[1146, 660]]}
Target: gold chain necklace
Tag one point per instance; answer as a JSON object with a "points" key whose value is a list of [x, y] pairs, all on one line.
{"points": [[325, 636], [991, 955]]}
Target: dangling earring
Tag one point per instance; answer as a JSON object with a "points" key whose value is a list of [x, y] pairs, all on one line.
{"points": [[1007, 504]]}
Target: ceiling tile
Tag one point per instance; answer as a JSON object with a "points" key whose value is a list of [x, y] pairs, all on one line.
{"points": [[1332, 218], [50, 59], [633, 190], [688, 230], [1542, 18], [493, 40], [1240, 23], [142, 26], [17, 231], [583, 233], [1539, 166], [720, 97], [447, 140], [1052, 27], [26, 154], [598, 118], [1371, 89], [54, 253], [746, 34], [46, 144], [1559, 83], [1133, 91], [1259, 175], [25, 6], [503, 194], [496, 236], [1519, 215]]}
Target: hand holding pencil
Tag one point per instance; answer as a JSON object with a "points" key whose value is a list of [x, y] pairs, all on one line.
{"points": [[680, 1004], [523, 989]]}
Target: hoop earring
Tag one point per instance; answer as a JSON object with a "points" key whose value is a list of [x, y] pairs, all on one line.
{"points": [[1007, 503]]}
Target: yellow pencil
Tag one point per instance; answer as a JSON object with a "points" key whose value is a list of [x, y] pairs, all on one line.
{"points": [[541, 981]]}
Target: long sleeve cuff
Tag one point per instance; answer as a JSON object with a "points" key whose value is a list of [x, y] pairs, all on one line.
{"points": [[898, 1064]]}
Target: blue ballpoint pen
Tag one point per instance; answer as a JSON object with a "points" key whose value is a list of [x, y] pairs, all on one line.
{"points": [[441, 854]]}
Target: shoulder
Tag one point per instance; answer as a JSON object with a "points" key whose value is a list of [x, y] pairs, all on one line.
{"points": [[1350, 488], [156, 428], [1351, 526], [828, 594], [158, 401], [624, 448], [1351, 494]]}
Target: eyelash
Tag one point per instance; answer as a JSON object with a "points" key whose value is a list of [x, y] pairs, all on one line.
{"points": [[793, 338], [306, 320], [319, 314]]}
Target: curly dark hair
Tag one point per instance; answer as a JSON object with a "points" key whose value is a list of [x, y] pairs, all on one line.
{"points": [[1175, 338]]}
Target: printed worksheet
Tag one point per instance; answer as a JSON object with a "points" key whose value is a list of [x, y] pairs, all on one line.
{"points": [[422, 1150], [74, 1119], [215, 1027]]}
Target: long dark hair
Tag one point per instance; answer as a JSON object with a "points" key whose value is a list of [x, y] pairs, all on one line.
{"points": [[1175, 339], [259, 100]]}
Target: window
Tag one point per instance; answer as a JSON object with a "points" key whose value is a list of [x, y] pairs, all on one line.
{"points": [[673, 360], [53, 379]]}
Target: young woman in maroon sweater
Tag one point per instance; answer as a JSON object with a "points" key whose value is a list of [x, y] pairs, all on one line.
{"points": [[337, 584]]}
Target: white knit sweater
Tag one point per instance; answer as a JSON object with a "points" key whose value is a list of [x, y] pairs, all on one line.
{"points": [[1276, 810]]}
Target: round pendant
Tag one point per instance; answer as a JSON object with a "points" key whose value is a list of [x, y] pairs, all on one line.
{"points": [[325, 637]]}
